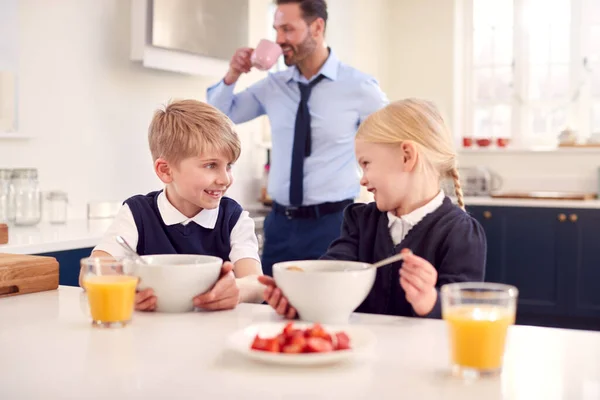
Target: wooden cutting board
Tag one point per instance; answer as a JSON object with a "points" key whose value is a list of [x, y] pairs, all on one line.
{"points": [[20, 274], [546, 195], [3, 233]]}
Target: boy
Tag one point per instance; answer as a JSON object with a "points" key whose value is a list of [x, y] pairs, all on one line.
{"points": [[193, 146]]}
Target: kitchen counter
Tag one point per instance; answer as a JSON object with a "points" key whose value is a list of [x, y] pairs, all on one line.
{"points": [[52, 352], [502, 202], [46, 237]]}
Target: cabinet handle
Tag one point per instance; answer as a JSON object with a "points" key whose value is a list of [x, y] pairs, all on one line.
{"points": [[573, 217], [487, 214], [562, 217]]}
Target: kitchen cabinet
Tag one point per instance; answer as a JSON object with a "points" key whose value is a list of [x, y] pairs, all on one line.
{"points": [[552, 256], [68, 263]]}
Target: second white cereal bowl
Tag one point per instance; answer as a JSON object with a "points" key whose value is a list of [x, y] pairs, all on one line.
{"points": [[324, 291]]}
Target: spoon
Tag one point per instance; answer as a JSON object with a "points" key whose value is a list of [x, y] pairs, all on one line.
{"points": [[129, 250], [381, 263]]}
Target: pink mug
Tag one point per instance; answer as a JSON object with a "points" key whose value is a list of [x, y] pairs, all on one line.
{"points": [[265, 55]]}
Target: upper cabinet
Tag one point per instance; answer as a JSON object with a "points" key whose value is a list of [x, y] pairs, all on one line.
{"points": [[196, 37], [8, 65]]}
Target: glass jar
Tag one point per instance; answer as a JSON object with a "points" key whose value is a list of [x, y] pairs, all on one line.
{"points": [[57, 207], [5, 176], [26, 197]]}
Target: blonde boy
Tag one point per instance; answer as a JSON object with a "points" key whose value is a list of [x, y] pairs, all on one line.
{"points": [[193, 146]]}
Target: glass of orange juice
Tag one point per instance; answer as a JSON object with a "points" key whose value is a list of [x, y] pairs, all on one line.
{"points": [[110, 291], [478, 315]]}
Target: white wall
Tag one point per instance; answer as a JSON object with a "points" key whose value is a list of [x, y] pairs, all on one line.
{"points": [[88, 107]]}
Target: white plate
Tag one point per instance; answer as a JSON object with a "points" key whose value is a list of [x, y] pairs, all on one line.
{"points": [[361, 342]]}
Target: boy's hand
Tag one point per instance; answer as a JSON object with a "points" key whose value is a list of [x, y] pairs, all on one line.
{"points": [[225, 295], [276, 299], [418, 278], [145, 300]]}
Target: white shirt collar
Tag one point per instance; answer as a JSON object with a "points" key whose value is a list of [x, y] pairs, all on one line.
{"points": [[172, 216], [415, 216]]}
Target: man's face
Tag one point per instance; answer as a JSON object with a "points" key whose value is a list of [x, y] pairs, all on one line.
{"points": [[297, 39]]}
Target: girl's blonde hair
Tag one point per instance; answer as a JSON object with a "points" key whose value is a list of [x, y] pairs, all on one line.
{"points": [[419, 122], [189, 128]]}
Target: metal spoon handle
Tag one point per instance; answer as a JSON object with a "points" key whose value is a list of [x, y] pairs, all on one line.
{"points": [[389, 260], [121, 240]]}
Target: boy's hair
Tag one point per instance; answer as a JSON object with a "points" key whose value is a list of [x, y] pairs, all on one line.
{"points": [[420, 122], [188, 128]]}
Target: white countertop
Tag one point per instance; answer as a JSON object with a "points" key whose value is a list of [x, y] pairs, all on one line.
{"points": [[49, 350], [489, 201], [46, 237]]}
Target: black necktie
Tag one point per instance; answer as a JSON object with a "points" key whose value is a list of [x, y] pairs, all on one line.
{"points": [[302, 142]]}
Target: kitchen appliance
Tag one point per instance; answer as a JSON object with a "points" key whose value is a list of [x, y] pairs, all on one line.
{"points": [[20, 274], [475, 181]]}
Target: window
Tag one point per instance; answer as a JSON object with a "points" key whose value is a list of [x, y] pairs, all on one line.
{"points": [[532, 69]]}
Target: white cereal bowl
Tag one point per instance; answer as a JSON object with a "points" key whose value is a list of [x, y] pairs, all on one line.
{"points": [[177, 278], [326, 291]]}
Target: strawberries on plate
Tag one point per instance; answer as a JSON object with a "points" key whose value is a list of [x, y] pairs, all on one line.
{"points": [[295, 341]]}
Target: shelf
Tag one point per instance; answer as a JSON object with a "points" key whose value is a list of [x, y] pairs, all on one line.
{"points": [[531, 150], [14, 135]]}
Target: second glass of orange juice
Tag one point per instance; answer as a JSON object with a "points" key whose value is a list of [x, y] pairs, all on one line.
{"points": [[478, 315], [110, 291]]}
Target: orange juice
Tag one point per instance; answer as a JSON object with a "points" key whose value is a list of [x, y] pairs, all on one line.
{"points": [[478, 335], [111, 297]]}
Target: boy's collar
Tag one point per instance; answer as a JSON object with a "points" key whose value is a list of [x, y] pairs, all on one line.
{"points": [[172, 216]]}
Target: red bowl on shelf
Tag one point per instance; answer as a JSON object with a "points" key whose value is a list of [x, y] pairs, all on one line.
{"points": [[483, 142], [467, 142], [502, 142]]}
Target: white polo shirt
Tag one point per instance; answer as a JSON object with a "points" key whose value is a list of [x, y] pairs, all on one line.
{"points": [[243, 238]]}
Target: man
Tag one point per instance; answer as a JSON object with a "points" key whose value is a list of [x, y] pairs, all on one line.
{"points": [[314, 108]]}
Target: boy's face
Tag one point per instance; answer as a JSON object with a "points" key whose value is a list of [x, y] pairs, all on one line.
{"points": [[201, 181], [385, 173]]}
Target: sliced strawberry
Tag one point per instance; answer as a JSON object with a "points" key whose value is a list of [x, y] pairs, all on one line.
{"points": [[298, 340], [318, 345], [289, 327], [342, 341], [282, 339], [259, 343], [293, 349], [273, 345]]}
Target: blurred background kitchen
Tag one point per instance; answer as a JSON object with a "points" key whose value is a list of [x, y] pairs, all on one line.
{"points": [[518, 81]]}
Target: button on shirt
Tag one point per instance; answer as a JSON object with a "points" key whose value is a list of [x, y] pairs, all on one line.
{"points": [[400, 226], [243, 238], [338, 104]]}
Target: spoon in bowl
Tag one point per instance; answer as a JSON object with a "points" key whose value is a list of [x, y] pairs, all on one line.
{"points": [[381, 263], [121, 240]]}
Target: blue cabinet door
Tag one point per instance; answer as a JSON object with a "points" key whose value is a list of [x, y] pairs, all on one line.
{"points": [[533, 259], [525, 249], [583, 262], [492, 220], [68, 264]]}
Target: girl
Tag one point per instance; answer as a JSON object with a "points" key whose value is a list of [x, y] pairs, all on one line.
{"points": [[405, 150]]}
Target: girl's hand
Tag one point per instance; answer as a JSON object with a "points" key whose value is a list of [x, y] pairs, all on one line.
{"points": [[276, 299], [418, 279]]}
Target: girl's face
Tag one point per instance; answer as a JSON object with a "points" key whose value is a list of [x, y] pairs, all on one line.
{"points": [[386, 171]]}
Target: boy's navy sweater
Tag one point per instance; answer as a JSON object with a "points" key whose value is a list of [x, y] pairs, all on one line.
{"points": [[449, 238], [155, 237]]}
